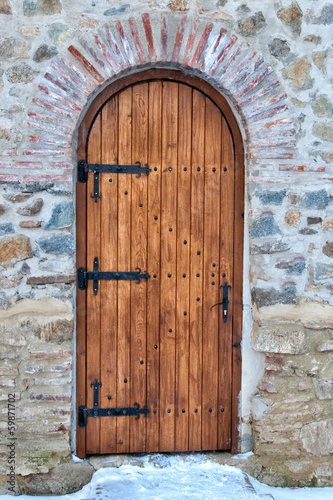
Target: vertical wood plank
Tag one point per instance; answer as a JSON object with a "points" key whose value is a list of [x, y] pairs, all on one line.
{"points": [[168, 265], [81, 314], [226, 266], [108, 289], [93, 301], [124, 263], [154, 235], [196, 269], [139, 260], [183, 267], [211, 279]]}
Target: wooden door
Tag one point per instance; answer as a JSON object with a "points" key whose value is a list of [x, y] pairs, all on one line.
{"points": [[158, 344]]}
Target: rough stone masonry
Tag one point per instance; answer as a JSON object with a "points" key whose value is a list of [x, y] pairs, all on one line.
{"points": [[273, 62]]}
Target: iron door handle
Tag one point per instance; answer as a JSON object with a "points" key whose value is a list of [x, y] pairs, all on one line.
{"points": [[225, 301]]}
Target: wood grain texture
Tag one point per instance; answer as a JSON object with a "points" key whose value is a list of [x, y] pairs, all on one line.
{"points": [[158, 343]]}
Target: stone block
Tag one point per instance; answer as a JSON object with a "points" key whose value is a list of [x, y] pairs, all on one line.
{"points": [[21, 73], [283, 338], [317, 199], [264, 225], [325, 17], [32, 209], [58, 244], [323, 131], [271, 197], [322, 106], [252, 25], [323, 271], [328, 249], [6, 228], [292, 17], [317, 437], [299, 73], [14, 249], [115, 12], [279, 48], [5, 7], [263, 297], [293, 218], [63, 479], [323, 388], [327, 224], [41, 7], [62, 216], [44, 52], [314, 220]]}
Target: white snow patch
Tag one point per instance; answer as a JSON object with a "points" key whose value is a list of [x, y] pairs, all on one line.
{"points": [[181, 478]]}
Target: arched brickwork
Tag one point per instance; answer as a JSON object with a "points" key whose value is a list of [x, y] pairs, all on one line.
{"points": [[202, 48]]}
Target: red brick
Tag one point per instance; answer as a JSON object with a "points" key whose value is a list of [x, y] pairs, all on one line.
{"points": [[223, 54], [51, 107], [90, 50], [107, 55], [149, 36], [73, 75], [48, 152], [51, 120], [136, 36], [68, 89], [201, 45], [30, 224], [178, 39], [50, 355], [164, 38], [45, 280], [190, 41], [213, 49], [59, 98], [9, 178], [86, 64], [49, 397], [125, 44], [51, 178], [254, 82], [114, 47]]}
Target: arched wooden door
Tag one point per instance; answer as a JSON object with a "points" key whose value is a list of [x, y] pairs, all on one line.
{"points": [[160, 363]]}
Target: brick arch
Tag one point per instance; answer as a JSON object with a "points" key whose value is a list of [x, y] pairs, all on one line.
{"points": [[203, 48]]}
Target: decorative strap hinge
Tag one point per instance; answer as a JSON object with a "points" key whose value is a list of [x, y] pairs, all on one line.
{"points": [[84, 412], [83, 276], [83, 168]]}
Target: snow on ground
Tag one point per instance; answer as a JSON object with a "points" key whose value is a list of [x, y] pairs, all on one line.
{"points": [[172, 477]]}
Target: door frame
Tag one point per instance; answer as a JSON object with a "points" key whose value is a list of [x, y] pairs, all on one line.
{"points": [[81, 236]]}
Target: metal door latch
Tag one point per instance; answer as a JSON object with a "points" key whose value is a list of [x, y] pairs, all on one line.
{"points": [[225, 301]]}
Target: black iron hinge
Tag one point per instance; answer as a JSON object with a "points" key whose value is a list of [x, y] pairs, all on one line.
{"points": [[83, 276], [84, 412], [83, 168]]}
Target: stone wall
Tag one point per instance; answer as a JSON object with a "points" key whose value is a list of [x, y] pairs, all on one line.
{"points": [[273, 62]]}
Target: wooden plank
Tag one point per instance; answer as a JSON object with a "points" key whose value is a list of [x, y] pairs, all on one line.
{"points": [[93, 301], [211, 279], [183, 267], [139, 260], [153, 291], [81, 311], [109, 289], [196, 269], [238, 289], [124, 263], [168, 265], [226, 266]]}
